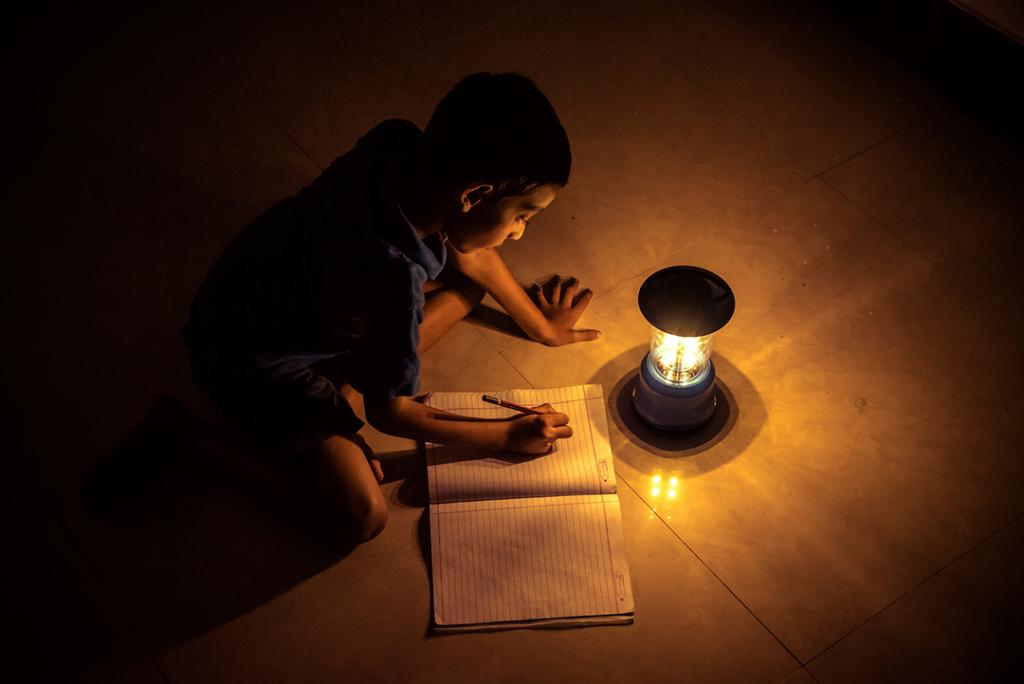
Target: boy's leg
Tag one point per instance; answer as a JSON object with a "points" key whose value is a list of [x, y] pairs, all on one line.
{"points": [[449, 300], [349, 486]]}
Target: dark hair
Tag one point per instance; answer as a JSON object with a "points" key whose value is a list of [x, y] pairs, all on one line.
{"points": [[500, 129]]}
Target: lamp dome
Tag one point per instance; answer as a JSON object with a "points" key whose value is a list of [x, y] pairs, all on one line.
{"points": [[686, 301]]}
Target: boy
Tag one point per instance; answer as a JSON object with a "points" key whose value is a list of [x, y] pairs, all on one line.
{"points": [[367, 267]]}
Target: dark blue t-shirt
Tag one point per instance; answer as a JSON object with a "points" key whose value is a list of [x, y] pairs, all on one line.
{"points": [[334, 272]]}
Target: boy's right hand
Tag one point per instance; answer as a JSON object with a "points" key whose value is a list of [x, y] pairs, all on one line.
{"points": [[535, 434], [561, 305]]}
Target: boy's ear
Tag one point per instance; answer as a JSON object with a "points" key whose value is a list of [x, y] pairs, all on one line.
{"points": [[473, 194]]}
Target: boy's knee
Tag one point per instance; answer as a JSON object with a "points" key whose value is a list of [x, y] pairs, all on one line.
{"points": [[371, 518], [351, 493]]}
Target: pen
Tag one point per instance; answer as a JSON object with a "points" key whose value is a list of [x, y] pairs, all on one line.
{"points": [[508, 404]]}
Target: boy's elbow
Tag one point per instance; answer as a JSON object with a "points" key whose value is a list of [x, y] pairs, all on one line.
{"points": [[384, 414]]}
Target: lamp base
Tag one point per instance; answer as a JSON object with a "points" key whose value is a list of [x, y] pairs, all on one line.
{"points": [[668, 407]]}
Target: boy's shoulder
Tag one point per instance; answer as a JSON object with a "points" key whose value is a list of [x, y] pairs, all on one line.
{"points": [[356, 171], [390, 134]]}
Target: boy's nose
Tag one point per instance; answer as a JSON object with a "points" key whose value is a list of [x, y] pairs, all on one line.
{"points": [[515, 235]]}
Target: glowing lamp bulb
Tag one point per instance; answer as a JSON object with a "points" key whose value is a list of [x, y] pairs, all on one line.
{"points": [[680, 360], [685, 307]]}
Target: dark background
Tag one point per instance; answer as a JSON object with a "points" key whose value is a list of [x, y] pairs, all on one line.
{"points": [[140, 139]]}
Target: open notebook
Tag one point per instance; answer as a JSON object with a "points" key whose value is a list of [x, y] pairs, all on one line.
{"points": [[525, 541]]}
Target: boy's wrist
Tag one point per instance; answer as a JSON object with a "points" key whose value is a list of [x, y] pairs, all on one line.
{"points": [[496, 435], [544, 334]]}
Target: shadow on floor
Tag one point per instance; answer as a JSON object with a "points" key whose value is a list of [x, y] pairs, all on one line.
{"points": [[183, 541], [663, 442], [494, 319], [410, 467], [734, 425]]}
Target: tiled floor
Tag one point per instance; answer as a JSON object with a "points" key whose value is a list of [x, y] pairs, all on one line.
{"points": [[861, 520]]}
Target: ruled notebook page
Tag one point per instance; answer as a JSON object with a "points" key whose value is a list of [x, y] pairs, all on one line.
{"points": [[581, 464], [527, 541], [525, 560]]}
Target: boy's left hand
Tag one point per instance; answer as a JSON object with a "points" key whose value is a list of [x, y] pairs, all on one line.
{"points": [[562, 308]]}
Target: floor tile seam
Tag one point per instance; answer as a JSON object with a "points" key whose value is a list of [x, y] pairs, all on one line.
{"points": [[653, 263], [516, 368], [809, 173], [767, 201], [478, 327], [920, 121], [753, 124], [427, 52], [714, 574], [736, 221], [802, 668], [910, 124], [915, 587], [598, 292], [882, 224], [299, 145], [747, 121], [445, 377], [719, 227], [156, 663]]}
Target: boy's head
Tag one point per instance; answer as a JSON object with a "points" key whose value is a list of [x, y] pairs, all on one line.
{"points": [[499, 153]]}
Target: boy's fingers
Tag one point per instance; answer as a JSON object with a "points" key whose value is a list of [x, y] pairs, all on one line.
{"points": [[563, 432], [582, 301], [556, 290], [583, 295], [588, 335], [545, 408], [555, 419], [569, 292], [538, 291]]}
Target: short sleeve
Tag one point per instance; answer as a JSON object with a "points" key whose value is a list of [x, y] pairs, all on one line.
{"points": [[385, 363]]}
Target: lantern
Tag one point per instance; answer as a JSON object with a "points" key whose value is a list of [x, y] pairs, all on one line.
{"points": [[685, 306]]}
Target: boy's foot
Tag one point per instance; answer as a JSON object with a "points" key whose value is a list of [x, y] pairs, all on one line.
{"points": [[378, 472]]}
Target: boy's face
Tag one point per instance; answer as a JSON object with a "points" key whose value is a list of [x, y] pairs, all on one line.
{"points": [[480, 223]]}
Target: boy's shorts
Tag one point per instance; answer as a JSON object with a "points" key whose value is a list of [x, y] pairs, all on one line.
{"points": [[285, 420]]}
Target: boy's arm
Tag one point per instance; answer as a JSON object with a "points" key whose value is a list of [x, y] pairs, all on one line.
{"points": [[406, 417], [548, 321]]}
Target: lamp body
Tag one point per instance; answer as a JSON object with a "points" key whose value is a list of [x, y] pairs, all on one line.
{"points": [[675, 406]]}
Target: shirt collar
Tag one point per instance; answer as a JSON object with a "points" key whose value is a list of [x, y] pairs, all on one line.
{"points": [[398, 229], [430, 253]]}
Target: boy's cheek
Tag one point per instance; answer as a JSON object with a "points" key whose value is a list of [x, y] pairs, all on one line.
{"points": [[476, 241]]}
